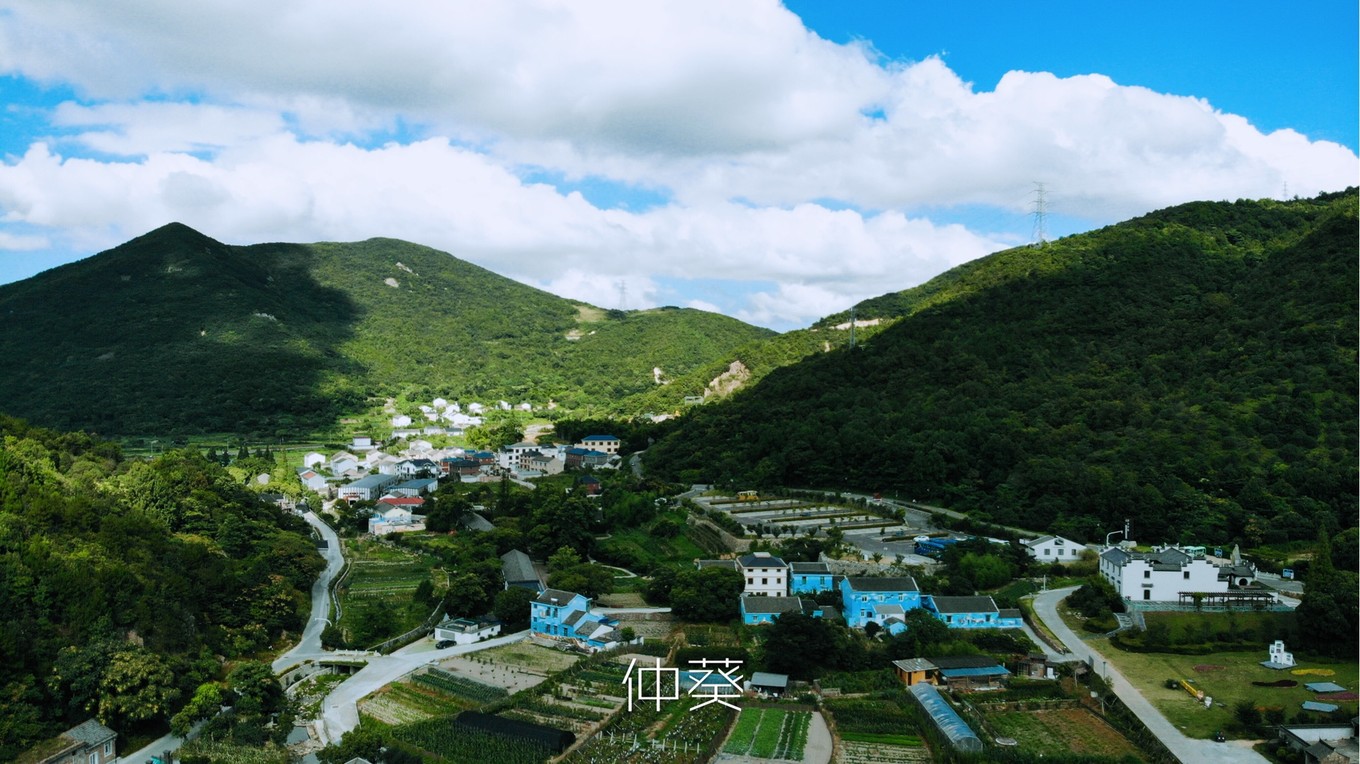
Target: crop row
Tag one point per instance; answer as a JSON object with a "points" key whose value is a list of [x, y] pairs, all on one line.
{"points": [[873, 716], [866, 753], [462, 687], [463, 746]]}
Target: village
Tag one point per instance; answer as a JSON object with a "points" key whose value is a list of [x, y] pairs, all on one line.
{"points": [[571, 675], [741, 626]]}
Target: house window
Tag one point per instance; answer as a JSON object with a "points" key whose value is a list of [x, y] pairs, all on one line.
{"points": [[764, 581], [1147, 574], [108, 748], [1047, 552], [1147, 594], [1185, 575], [750, 582], [94, 757]]}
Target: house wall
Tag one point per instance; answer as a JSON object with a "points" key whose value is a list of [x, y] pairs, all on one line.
{"points": [[1137, 581], [857, 607], [1056, 550], [809, 583], [766, 581], [464, 637]]}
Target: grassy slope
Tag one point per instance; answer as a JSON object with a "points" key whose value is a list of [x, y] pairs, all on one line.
{"points": [[175, 332]]}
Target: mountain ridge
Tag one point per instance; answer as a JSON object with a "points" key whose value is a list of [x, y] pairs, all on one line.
{"points": [[187, 334], [1195, 366]]}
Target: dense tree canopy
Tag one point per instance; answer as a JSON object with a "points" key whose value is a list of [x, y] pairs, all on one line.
{"points": [[1194, 369], [120, 581]]}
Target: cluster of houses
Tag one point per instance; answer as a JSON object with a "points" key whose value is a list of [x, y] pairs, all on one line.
{"points": [[399, 482], [773, 587]]}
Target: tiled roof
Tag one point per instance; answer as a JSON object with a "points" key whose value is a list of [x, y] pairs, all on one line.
{"points": [[761, 561], [516, 566], [547, 596], [90, 732], [964, 604], [771, 604], [892, 584], [915, 664]]}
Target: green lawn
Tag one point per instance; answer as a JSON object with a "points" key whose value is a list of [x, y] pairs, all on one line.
{"points": [[1227, 686]]}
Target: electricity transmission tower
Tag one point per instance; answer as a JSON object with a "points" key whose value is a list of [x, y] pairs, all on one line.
{"points": [[1040, 234], [623, 292]]}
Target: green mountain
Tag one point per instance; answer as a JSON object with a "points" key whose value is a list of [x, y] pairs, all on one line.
{"points": [[174, 332], [1193, 370]]}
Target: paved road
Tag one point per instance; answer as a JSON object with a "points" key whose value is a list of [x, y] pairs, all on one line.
{"points": [[340, 711], [1189, 750], [310, 644]]}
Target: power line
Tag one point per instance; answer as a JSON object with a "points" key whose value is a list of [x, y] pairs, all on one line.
{"points": [[1040, 234]]}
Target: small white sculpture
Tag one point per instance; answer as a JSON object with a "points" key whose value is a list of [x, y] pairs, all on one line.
{"points": [[1279, 656]]}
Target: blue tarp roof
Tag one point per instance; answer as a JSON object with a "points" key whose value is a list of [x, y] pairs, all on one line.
{"points": [[1325, 687], [1313, 705], [980, 671]]}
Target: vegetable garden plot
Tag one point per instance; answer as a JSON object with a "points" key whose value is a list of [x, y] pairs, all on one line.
{"points": [[770, 733]]}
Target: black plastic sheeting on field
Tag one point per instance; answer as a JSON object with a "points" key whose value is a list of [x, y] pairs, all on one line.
{"points": [[552, 738]]}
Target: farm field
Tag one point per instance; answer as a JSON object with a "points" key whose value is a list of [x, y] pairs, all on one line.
{"points": [[1061, 730], [376, 598], [770, 733], [851, 752], [1226, 677]]}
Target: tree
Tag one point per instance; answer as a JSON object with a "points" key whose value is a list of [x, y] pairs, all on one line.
{"points": [[256, 688], [923, 634], [512, 606], [657, 590], [564, 558], [204, 704], [799, 645], [137, 685], [584, 578], [466, 596], [709, 594]]}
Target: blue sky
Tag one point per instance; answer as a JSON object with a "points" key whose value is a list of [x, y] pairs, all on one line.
{"points": [[775, 163]]}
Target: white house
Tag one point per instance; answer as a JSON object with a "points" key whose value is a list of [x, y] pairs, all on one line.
{"points": [[1158, 576], [1053, 549], [605, 444], [362, 443], [401, 420], [313, 458], [465, 631], [765, 574], [395, 520], [314, 480], [342, 462]]}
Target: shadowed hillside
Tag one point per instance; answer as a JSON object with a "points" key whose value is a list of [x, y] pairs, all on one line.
{"points": [[174, 332]]}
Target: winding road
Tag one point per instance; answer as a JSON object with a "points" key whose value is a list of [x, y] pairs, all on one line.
{"points": [[310, 644], [1189, 750]]}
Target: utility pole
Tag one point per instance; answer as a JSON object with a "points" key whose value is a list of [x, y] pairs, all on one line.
{"points": [[1040, 234], [852, 327]]}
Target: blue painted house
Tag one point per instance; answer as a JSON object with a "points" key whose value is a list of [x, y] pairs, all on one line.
{"points": [[972, 613], [757, 611], [564, 617], [809, 578], [878, 600]]}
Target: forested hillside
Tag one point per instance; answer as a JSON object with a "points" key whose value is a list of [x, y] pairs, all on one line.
{"points": [[123, 583], [175, 333], [1193, 370]]}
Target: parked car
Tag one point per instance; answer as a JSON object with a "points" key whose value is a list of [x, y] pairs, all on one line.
{"points": [[1219, 736], [443, 643]]}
